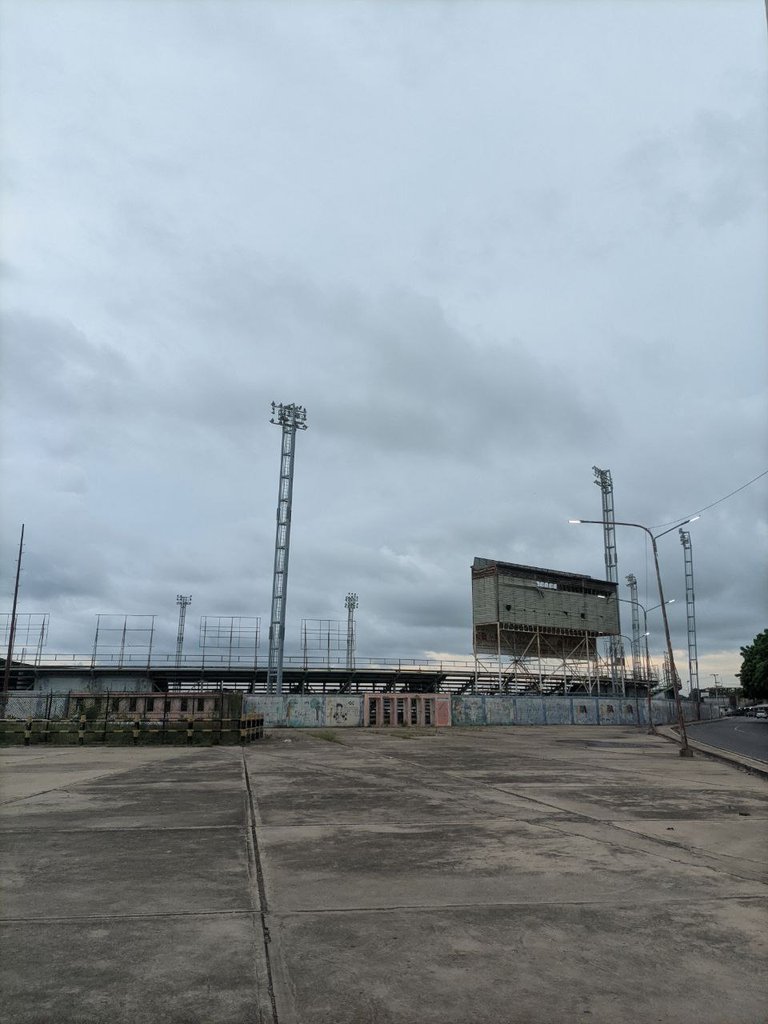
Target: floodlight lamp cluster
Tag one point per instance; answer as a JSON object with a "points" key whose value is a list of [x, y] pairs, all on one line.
{"points": [[184, 599], [289, 415], [350, 601]]}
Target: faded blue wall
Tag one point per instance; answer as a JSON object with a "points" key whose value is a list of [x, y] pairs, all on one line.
{"points": [[91, 682], [320, 711], [582, 710]]}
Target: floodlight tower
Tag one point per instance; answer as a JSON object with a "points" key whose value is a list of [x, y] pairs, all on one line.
{"points": [[636, 663], [291, 418], [350, 603], [605, 483], [690, 607], [182, 600]]}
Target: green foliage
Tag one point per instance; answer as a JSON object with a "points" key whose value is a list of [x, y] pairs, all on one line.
{"points": [[754, 668]]}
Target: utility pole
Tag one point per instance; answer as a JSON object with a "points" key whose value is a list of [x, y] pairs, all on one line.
{"points": [[291, 418], [182, 600], [12, 629]]}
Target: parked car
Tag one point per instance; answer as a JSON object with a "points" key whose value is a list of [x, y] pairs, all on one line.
{"points": [[761, 712], [733, 712]]}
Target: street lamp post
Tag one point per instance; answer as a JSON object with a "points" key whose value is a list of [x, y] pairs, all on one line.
{"points": [[685, 750], [646, 634]]}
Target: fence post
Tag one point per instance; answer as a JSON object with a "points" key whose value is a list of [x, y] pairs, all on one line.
{"points": [[106, 717], [48, 710]]}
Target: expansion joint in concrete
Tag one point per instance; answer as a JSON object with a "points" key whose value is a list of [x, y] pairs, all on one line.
{"points": [[262, 892]]}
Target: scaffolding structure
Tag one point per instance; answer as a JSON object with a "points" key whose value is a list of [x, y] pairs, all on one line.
{"points": [[116, 634], [30, 634], [615, 644], [536, 629], [322, 640], [230, 633], [690, 609], [290, 418]]}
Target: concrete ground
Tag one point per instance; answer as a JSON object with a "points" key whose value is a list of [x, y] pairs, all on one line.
{"points": [[521, 875]]}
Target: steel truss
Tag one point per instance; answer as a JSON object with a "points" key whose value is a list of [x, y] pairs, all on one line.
{"points": [[605, 483], [690, 608], [290, 418], [539, 661]]}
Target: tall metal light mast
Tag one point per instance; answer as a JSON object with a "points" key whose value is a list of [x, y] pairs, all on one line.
{"points": [[291, 418], [182, 600], [12, 628], [350, 603], [605, 483], [690, 608], [636, 661]]}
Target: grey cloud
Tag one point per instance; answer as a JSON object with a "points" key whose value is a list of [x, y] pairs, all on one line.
{"points": [[483, 260]]}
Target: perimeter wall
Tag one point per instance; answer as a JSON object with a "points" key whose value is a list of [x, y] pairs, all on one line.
{"points": [[331, 710]]}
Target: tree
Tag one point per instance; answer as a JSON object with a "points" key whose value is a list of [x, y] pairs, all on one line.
{"points": [[754, 668]]}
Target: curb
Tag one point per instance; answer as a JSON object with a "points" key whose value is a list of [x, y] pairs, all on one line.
{"points": [[747, 764]]}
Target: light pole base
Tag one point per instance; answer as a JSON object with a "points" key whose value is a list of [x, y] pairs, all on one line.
{"points": [[686, 752]]}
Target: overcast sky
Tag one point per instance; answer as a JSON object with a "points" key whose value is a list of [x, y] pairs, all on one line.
{"points": [[487, 245]]}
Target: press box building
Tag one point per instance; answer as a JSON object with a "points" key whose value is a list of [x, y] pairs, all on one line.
{"points": [[541, 624]]}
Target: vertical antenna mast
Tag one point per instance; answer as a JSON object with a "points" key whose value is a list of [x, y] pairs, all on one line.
{"points": [[605, 483], [182, 600], [690, 608], [350, 603], [12, 625], [291, 418], [636, 663]]}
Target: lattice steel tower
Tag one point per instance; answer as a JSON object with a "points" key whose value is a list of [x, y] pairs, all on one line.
{"points": [[291, 418], [182, 600], [636, 658], [350, 603], [605, 483], [690, 608]]}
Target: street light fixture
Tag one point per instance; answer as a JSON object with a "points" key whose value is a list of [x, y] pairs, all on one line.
{"points": [[685, 750]]}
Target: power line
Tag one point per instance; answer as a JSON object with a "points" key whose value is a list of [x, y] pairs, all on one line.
{"points": [[718, 502]]}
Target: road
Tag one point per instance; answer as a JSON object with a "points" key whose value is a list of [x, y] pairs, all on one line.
{"points": [[746, 736]]}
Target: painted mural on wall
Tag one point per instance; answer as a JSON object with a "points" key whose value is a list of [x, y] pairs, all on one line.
{"points": [[307, 712], [341, 710]]}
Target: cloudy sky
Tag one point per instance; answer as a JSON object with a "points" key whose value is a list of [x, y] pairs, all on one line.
{"points": [[487, 245]]}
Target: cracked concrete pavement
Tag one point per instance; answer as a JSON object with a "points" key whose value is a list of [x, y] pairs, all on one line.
{"points": [[517, 875]]}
